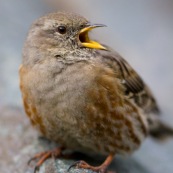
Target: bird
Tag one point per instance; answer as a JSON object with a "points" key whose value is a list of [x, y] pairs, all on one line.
{"points": [[82, 94]]}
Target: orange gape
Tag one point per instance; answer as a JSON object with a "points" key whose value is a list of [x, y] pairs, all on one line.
{"points": [[82, 94]]}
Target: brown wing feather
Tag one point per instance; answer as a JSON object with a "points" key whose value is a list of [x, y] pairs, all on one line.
{"points": [[135, 88]]}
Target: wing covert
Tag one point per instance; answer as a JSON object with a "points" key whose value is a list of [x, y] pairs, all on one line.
{"points": [[135, 88]]}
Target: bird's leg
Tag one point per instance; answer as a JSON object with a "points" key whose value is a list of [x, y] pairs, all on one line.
{"points": [[100, 169], [42, 157]]}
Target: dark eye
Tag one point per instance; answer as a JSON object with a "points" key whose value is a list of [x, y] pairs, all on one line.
{"points": [[62, 29], [82, 26]]}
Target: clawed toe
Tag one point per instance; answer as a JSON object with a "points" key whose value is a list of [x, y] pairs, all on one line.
{"points": [[42, 157], [78, 164], [100, 169], [36, 157], [83, 165]]}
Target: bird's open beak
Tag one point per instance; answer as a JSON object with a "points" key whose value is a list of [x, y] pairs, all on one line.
{"points": [[84, 38]]}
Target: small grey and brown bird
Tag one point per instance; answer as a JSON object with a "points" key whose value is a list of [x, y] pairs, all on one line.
{"points": [[83, 95]]}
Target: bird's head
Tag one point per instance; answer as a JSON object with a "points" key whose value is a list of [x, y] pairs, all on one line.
{"points": [[64, 30]]}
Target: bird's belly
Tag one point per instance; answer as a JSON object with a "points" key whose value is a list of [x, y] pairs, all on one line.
{"points": [[85, 112]]}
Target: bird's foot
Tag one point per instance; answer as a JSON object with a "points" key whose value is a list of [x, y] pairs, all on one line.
{"points": [[42, 157], [83, 165]]}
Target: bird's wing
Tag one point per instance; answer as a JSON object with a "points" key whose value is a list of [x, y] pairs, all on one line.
{"points": [[135, 88]]}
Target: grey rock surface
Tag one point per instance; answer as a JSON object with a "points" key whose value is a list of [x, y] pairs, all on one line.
{"points": [[139, 30]]}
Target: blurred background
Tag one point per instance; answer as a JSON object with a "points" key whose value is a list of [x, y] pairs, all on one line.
{"points": [[141, 31]]}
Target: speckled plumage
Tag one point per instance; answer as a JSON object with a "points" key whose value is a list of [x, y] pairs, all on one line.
{"points": [[85, 99]]}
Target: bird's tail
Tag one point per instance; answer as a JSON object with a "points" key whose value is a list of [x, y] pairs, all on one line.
{"points": [[162, 131]]}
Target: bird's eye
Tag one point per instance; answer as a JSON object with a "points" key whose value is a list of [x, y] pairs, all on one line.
{"points": [[82, 26], [61, 29]]}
